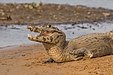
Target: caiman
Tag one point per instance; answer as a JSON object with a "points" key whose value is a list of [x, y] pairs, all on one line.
{"points": [[60, 50]]}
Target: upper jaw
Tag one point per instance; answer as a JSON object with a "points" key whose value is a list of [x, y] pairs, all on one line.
{"points": [[30, 28], [38, 29], [34, 29]]}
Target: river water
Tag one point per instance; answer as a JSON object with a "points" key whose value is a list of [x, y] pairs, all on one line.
{"points": [[91, 3], [17, 35]]}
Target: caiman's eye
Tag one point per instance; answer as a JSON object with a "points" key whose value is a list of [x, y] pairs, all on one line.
{"points": [[48, 25]]}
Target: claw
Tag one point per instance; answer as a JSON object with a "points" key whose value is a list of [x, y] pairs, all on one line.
{"points": [[78, 58]]}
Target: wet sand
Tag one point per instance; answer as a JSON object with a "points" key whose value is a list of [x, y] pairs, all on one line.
{"points": [[28, 60]]}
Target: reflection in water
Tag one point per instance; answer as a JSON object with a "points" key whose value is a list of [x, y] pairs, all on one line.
{"points": [[17, 35]]}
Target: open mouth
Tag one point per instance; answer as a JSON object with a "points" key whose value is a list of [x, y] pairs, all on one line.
{"points": [[35, 37], [42, 32]]}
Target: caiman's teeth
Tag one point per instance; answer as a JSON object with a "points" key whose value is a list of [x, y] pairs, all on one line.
{"points": [[28, 35]]}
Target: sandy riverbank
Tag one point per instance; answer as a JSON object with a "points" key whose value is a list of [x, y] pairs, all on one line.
{"points": [[27, 60]]}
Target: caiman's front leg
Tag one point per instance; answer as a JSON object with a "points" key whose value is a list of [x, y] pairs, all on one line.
{"points": [[79, 53], [91, 52]]}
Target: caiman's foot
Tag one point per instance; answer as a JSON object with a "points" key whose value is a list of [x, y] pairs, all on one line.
{"points": [[78, 54], [49, 61], [78, 58]]}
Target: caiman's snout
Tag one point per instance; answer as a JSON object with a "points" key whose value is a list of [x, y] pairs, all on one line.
{"points": [[34, 29], [30, 28]]}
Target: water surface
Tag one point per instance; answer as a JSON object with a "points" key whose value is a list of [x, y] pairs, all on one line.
{"points": [[17, 35]]}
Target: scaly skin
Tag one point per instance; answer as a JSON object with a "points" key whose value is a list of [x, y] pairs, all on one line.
{"points": [[60, 50]]}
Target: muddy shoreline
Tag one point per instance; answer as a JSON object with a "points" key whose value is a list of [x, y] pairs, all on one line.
{"points": [[37, 13]]}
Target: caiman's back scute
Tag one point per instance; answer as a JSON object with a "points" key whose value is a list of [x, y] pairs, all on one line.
{"points": [[60, 50]]}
